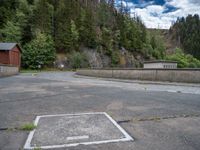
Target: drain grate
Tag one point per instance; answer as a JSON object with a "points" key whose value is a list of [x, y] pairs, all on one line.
{"points": [[67, 130]]}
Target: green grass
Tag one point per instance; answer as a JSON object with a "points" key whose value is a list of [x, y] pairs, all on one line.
{"points": [[37, 148], [43, 70], [28, 127], [28, 71]]}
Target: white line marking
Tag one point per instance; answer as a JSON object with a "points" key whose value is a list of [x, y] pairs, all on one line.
{"points": [[127, 137], [30, 136], [78, 137], [79, 114]]}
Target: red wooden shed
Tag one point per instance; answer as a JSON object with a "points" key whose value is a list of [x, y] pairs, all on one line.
{"points": [[10, 54]]}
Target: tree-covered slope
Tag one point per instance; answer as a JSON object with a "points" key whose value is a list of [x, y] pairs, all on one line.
{"points": [[175, 45], [71, 26], [186, 33]]}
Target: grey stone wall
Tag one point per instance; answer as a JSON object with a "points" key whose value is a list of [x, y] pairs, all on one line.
{"points": [[171, 75], [6, 70]]}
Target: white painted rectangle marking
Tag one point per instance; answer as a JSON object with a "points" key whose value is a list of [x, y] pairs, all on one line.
{"points": [[126, 137], [78, 137]]}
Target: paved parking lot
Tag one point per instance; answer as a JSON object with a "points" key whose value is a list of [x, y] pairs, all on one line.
{"points": [[158, 117]]}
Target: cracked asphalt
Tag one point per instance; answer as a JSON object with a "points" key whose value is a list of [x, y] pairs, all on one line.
{"points": [[157, 116]]}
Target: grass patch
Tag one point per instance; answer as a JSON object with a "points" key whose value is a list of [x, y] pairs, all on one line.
{"points": [[37, 148], [29, 71], [45, 70], [28, 127]]}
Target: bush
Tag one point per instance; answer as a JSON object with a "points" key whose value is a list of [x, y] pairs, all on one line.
{"points": [[184, 61], [115, 59], [78, 60], [39, 52]]}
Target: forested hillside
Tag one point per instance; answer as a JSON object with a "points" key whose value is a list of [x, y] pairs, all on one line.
{"points": [[184, 35], [44, 27], [186, 32], [78, 33]]}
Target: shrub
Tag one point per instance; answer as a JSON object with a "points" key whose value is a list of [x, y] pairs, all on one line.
{"points": [[184, 61], [28, 127], [78, 60], [115, 59]]}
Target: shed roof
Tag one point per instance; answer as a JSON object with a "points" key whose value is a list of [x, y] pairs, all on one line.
{"points": [[8, 46], [159, 61]]}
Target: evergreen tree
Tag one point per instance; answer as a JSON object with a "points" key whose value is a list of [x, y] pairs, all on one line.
{"points": [[43, 16], [63, 26], [39, 52], [7, 11], [11, 32], [24, 16], [87, 30], [107, 41], [187, 32], [153, 42], [74, 35]]}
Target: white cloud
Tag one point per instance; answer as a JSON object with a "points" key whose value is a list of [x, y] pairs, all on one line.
{"points": [[153, 15], [130, 5]]}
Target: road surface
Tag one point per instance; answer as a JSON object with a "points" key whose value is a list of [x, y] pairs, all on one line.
{"points": [[158, 117]]}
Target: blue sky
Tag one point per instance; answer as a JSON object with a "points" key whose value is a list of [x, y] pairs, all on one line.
{"points": [[161, 13]]}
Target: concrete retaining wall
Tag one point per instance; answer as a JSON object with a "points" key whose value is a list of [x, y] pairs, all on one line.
{"points": [[6, 70], [171, 75]]}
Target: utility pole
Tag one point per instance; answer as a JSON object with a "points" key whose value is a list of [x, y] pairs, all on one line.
{"points": [[127, 8], [158, 25], [121, 6]]}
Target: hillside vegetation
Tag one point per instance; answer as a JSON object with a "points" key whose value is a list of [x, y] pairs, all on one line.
{"points": [[87, 33], [186, 32], [183, 42]]}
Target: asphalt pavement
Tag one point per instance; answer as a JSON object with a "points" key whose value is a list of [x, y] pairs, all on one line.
{"points": [[157, 116]]}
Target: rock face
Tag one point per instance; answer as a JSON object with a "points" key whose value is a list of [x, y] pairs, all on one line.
{"points": [[129, 60], [97, 59], [93, 57]]}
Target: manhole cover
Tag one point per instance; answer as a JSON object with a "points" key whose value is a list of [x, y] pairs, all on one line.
{"points": [[67, 130]]}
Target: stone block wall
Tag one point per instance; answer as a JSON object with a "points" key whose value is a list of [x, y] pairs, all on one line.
{"points": [[6, 70]]}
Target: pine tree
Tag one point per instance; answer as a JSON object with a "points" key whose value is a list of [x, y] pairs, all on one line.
{"points": [[24, 18], [39, 52], [87, 29], [7, 11], [43, 16], [74, 35], [62, 25], [11, 32]]}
